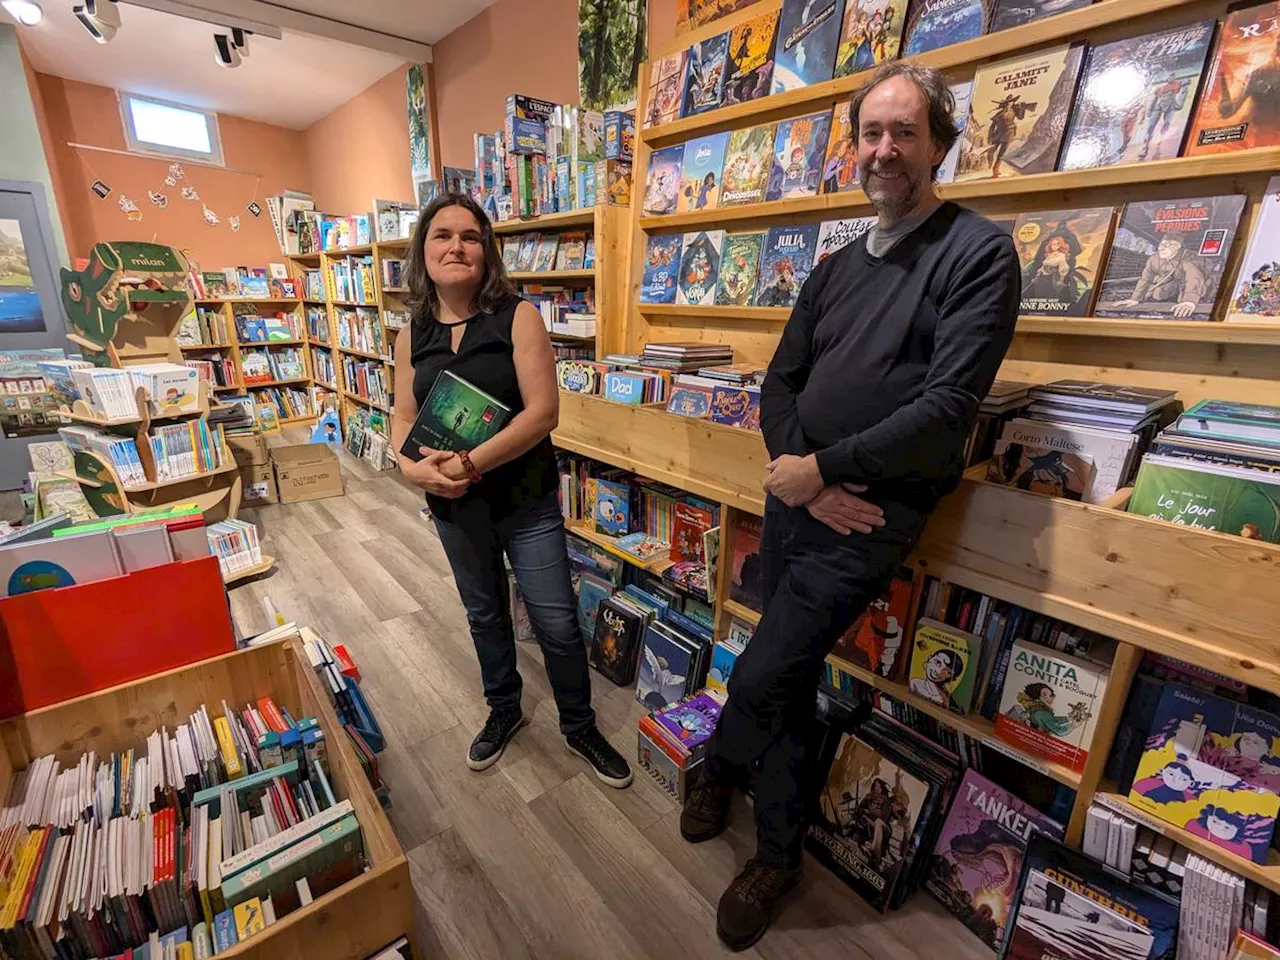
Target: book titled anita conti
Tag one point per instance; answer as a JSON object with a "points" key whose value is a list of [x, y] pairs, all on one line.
{"points": [[457, 415]]}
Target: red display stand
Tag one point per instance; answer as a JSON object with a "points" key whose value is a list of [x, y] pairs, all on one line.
{"points": [[65, 642]]}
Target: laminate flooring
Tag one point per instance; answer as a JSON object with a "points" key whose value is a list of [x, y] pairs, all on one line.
{"points": [[533, 858]]}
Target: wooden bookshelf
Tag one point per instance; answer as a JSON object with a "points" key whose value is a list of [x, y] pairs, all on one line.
{"points": [[656, 565], [743, 613], [584, 217], [536, 276]]}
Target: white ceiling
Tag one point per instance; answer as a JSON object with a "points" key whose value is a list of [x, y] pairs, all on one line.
{"points": [[423, 20]]}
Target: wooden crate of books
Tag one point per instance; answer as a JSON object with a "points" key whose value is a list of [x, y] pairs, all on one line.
{"points": [[351, 921]]}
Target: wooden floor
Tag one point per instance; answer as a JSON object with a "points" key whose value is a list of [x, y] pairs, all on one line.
{"points": [[533, 857]]}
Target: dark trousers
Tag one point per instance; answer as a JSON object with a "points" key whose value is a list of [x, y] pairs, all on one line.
{"points": [[814, 584], [533, 540]]}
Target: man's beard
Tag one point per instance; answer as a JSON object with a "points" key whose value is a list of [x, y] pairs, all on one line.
{"points": [[890, 205]]}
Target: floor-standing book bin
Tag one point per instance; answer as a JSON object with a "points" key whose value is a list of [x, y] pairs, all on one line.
{"points": [[349, 922]]}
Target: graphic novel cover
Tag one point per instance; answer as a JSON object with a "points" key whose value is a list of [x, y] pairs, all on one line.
{"points": [[840, 170], [939, 23], [960, 92], [691, 522], [735, 406], [1062, 253], [591, 592], [805, 49], [661, 267], [697, 13], [662, 188], [664, 665], [835, 235], [723, 657], [744, 586], [1017, 114], [875, 642], [704, 76], [944, 660], [751, 59], [1044, 470], [1014, 13], [691, 721], [977, 858], [1240, 103], [1208, 497], [1169, 258], [799, 146], [615, 645], [1257, 293], [700, 267], [613, 508], [739, 267], [870, 35], [703, 166], [1135, 97], [666, 88], [785, 264], [748, 161]]}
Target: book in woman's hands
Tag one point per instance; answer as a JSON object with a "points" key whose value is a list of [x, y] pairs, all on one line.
{"points": [[457, 415]]}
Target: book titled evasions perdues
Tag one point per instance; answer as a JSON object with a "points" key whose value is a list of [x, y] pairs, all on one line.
{"points": [[1240, 104], [457, 415], [805, 48]]}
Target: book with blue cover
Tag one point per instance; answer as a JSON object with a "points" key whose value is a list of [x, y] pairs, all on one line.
{"points": [[799, 149], [623, 387], [664, 668], [805, 48], [785, 264], [704, 75], [735, 406], [723, 657], [739, 268], [591, 591], [662, 185], [613, 507], [700, 268], [661, 268], [939, 23], [702, 170]]}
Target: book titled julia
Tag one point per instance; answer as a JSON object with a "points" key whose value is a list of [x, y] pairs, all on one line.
{"points": [[944, 662], [1049, 704], [457, 415], [615, 647], [987, 824], [785, 264], [1208, 496]]}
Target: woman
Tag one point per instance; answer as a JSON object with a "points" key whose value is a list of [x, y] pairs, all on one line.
{"points": [[501, 496]]}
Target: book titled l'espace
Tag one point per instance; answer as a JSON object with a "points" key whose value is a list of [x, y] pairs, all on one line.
{"points": [[457, 415]]}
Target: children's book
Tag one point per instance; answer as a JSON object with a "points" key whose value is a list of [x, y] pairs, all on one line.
{"points": [[511, 253], [944, 662], [527, 253], [691, 721], [690, 399], [735, 406], [662, 188], [1207, 496], [744, 587], [799, 149], [1257, 292], [666, 88], [691, 522], [700, 267], [785, 263], [739, 268], [629, 388], [840, 167], [572, 252], [748, 161], [877, 639], [939, 23], [705, 74], [750, 69], [835, 235], [960, 94], [703, 167], [805, 49], [613, 508], [661, 268], [870, 35], [723, 657], [545, 256], [664, 667]]}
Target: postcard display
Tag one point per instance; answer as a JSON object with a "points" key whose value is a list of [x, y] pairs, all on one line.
{"points": [[1046, 149]]}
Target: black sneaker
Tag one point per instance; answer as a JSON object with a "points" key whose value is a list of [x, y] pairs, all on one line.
{"points": [[746, 909], [498, 730], [706, 810], [607, 762]]}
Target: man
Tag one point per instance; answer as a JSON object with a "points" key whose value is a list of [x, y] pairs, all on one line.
{"points": [[868, 402], [1171, 276]]}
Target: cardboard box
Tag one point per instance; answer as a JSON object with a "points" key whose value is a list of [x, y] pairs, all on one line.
{"points": [[306, 471], [249, 449], [258, 485]]}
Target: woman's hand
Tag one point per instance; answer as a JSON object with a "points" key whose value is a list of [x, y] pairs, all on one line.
{"points": [[426, 473]]}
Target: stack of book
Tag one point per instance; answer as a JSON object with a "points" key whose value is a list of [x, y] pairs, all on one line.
{"points": [[109, 393], [634, 385], [361, 330], [728, 395], [673, 662], [685, 357], [187, 449], [206, 325], [673, 740], [1215, 468], [234, 282], [366, 378], [213, 368], [322, 361], [1003, 402], [235, 544]]}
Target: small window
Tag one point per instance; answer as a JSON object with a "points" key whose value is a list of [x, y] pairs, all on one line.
{"points": [[170, 129]]}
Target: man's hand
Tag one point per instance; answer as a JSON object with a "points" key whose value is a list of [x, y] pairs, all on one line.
{"points": [[426, 473], [794, 480], [839, 509]]}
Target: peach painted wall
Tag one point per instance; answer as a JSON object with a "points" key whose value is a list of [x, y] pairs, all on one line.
{"points": [[84, 113], [360, 151], [514, 46]]}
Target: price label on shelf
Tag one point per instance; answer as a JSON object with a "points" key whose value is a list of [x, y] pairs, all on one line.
{"points": [[1129, 812]]}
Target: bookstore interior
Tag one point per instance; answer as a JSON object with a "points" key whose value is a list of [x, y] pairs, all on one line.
{"points": [[237, 695]]}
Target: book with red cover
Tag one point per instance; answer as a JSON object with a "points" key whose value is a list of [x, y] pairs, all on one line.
{"points": [[690, 524], [744, 587]]}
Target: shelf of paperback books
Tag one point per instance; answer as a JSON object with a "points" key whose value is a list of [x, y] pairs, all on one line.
{"points": [[584, 530]]}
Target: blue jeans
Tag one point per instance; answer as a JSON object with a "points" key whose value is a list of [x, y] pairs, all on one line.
{"points": [[533, 539]]}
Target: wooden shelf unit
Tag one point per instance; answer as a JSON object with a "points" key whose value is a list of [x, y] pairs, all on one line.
{"points": [[656, 565]]}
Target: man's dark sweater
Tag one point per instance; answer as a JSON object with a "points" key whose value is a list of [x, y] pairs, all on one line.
{"points": [[882, 366]]}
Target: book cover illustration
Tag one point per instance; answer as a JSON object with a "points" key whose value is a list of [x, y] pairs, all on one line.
{"points": [[1106, 453], [805, 49], [939, 23], [868, 813], [870, 34], [1049, 703], [691, 522], [572, 252], [748, 161], [691, 721], [1044, 470], [1251, 751], [664, 665], [592, 591], [1169, 258], [1014, 13], [799, 147], [511, 253], [1200, 495], [621, 386], [1061, 252], [700, 268], [689, 400], [1018, 113], [703, 166], [977, 858], [1135, 98], [545, 257], [614, 647], [613, 508], [457, 415], [723, 658], [705, 74], [750, 71], [578, 376], [735, 406], [744, 584], [1239, 105], [711, 562], [840, 169], [834, 235], [1055, 927], [875, 641], [960, 95], [944, 660], [785, 264], [527, 252], [739, 268], [662, 187], [661, 267], [1257, 292], [666, 88]]}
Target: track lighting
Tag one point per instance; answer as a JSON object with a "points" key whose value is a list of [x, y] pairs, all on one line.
{"points": [[26, 12], [230, 49], [100, 17]]}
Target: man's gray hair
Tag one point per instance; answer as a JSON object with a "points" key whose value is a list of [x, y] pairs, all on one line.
{"points": [[939, 102]]}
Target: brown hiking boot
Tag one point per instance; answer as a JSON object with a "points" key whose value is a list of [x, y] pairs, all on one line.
{"points": [[746, 909], [706, 810]]}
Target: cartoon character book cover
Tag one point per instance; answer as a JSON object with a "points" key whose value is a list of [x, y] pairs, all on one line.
{"points": [[666, 88], [840, 169], [1043, 470], [661, 268], [835, 235], [736, 406], [691, 721], [748, 161], [876, 641], [799, 146], [704, 76], [751, 59], [1257, 292], [702, 170], [1061, 252], [870, 35], [805, 48], [739, 268], [663, 668], [960, 94], [1240, 100], [614, 646], [785, 264], [662, 187], [944, 660], [939, 23], [700, 268]]}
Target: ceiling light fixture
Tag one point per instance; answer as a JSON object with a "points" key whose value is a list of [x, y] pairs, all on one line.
{"points": [[100, 17], [26, 12], [230, 49]]}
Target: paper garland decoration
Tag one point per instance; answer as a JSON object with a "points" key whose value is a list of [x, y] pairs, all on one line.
{"points": [[210, 217], [235, 224], [159, 199], [101, 189], [255, 209], [176, 171], [130, 208], [189, 193]]}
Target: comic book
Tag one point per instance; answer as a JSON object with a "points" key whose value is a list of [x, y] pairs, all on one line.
{"points": [[700, 268], [835, 235], [750, 71], [662, 187], [613, 508], [1169, 257], [664, 666], [1049, 703], [615, 646], [1014, 13], [960, 92], [1045, 470], [799, 147], [1240, 104], [739, 267], [704, 76], [1145, 116], [666, 88], [735, 406], [1061, 252], [1208, 496], [1257, 292], [944, 662], [591, 592], [939, 23], [785, 264], [744, 585], [870, 34], [702, 169], [697, 13], [977, 858], [748, 161], [691, 522], [875, 641], [840, 169], [661, 268], [1017, 114], [805, 49]]}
